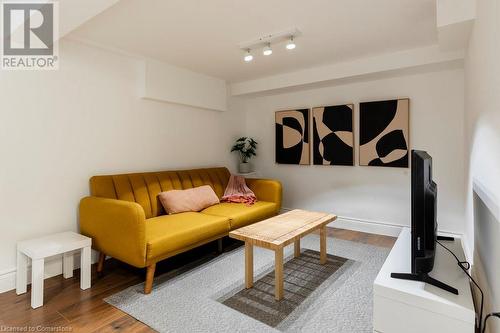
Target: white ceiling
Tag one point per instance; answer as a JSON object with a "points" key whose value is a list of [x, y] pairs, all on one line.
{"points": [[203, 35]]}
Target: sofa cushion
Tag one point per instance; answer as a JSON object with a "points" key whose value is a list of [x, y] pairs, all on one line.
{"points": [[240, 214], [169, 233]]}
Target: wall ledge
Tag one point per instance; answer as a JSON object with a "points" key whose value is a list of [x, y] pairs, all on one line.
{"points": [[489, 199], [363, 68]]}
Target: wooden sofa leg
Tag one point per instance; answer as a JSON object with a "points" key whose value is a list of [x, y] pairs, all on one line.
{"points": [[219, 246], [150, 274], [100, 263]]}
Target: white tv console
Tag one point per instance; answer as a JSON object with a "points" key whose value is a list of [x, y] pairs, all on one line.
{"points": [[412, 306]]}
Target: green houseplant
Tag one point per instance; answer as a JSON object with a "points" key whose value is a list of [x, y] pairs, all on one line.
{"points": [[246, 148]]}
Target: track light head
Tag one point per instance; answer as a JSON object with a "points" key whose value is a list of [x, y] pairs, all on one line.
{"points": [[267, 50], [248, 56], [291, 44]]}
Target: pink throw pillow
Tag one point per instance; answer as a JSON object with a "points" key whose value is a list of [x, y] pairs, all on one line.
{"points": [[190, 200]]}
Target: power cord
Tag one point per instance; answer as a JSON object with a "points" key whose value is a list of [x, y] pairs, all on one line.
{"points": [[465, 266], [493, 314]]}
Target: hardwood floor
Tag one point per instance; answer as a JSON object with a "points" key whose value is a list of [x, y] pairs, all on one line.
{"points": [[69, 308], [362, 237]]}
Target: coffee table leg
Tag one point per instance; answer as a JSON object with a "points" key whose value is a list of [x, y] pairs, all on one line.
{"points": [[322, 245], [296, 248], [278, 274], [248, 265]]}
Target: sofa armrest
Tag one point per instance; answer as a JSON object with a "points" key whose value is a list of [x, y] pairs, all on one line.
{"points": [[117, 228], [266, 190]]}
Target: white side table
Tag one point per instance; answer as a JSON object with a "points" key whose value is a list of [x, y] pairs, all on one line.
{"points": [[40, 248]]}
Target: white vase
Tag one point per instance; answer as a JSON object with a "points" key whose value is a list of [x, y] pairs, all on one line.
{"points": [[245, 168]]}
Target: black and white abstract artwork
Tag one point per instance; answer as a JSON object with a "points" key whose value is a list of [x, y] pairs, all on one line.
{"points": [[292, 137], [384, 133], [333, 137]]}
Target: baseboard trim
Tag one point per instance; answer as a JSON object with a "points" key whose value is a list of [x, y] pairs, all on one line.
{"points": [[362, 225], [7, 280], [53, 267], [375, 227], [371, 227]]}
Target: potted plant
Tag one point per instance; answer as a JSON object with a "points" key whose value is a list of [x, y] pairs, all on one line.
{"points": [[246, 147]]}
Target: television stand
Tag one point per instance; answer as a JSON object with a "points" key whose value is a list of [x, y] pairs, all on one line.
{"points": [[424, 277], [416, 307]]}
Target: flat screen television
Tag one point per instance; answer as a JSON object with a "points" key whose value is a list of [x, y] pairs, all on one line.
{"points": [[423, 222], [423, 213]]}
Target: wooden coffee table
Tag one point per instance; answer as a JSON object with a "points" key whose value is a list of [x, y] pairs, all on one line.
{"points": [[277, 232]]}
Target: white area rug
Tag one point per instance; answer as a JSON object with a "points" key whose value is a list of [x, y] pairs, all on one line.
{"points": [[193, 301]]}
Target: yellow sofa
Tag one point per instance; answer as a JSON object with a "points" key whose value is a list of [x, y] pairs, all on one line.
{"points": [[126, 221]]}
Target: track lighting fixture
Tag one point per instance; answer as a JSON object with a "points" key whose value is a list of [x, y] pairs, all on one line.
{"points": [[291, 44], [267, 50], [248, 56], [263, 43]]}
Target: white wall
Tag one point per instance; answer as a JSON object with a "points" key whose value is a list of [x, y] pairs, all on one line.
{"points": [[164, 82], [482, 111], [58, 128], [374, 194]]}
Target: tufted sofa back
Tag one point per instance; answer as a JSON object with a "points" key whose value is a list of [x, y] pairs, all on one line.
{"points": [[144, 188]]}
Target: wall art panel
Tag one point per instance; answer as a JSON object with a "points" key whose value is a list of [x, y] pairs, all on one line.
{"points": [[384, 133], [292, 137], [333, 137]]}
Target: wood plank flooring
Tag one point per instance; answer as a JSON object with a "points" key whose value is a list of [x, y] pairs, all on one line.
{"points": [[71, 309]]}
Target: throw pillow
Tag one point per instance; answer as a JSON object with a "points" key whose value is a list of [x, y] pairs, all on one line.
{"points": [[190, 200]]}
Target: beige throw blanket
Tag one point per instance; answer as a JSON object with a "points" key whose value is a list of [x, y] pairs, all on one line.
{"points": [[238, 191]]}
